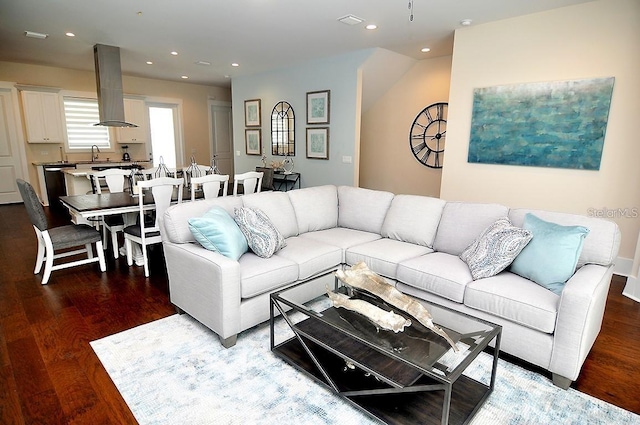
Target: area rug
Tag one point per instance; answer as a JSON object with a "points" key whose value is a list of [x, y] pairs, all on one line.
{"points": [[175, 371]]}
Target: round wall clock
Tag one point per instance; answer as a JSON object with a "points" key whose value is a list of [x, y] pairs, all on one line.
{"points": [[427, 135]]}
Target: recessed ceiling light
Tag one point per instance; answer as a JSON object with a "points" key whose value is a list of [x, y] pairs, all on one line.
{"points": [[466, 22], [351, 20], [425, 50], [204, 63], [149, 63], [235, 64], [371, 27], [69, 34], [184, 77], [33, 34], [174, 53]]}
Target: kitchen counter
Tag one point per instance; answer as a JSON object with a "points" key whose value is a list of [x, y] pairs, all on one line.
{"points": [[115, 163]]}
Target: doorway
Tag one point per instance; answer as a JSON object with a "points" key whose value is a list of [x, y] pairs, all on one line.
{"points": [[12, 166], [166, 140], [221, 135]]}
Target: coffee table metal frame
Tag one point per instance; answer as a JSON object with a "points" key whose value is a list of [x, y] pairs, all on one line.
{"points": [[310, 337]]}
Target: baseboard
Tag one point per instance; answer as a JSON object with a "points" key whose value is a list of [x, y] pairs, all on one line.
{"points": [[624, 267]]}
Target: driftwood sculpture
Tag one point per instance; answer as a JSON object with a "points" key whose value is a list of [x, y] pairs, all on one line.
{"points": [[360, 277], [382, 318]]}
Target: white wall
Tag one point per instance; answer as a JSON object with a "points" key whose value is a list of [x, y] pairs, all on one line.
{"points": [[338, 74], [597, 39]]}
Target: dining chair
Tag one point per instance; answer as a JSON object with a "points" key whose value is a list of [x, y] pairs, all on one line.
{"points": [[210, 185], [142, 233], [155, 172], [116, 180], [251, 182], [267, 178], [52, 239]]}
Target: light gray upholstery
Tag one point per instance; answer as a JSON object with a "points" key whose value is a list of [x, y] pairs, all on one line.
{"points": [[277, 206], [316, 208], [383, 255], [413, 219], [362, 209], [54, 239], [462, 222], [415, 242]]}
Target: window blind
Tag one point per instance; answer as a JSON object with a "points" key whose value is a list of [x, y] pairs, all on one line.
{"points": [[81, 115]]}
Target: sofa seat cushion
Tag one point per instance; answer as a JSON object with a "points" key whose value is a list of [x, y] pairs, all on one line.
{"points": [[342, 237], [259, 275], [516, 299], [439, 273], [383, 255], [311, 256]]}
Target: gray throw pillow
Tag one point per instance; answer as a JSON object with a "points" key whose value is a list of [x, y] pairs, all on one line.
{"points": [[262, 236], [495, 249]]}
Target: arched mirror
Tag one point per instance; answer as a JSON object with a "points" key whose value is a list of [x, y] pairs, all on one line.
{"points": [[283, 125]]}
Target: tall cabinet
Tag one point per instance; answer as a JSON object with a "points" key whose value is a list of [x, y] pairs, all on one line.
{"points": [[43, 116], [134, 112]]}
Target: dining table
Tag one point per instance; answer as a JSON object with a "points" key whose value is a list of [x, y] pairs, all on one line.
{"points": [[85, 209]]}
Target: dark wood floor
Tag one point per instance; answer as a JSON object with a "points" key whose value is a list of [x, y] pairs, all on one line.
{"points": [[50, 375]]}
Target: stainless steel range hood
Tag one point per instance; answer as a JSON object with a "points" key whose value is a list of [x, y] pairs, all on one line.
{"points": [[109, 84]]}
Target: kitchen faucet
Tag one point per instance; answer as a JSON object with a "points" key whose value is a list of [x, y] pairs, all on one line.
{"points": [[94, 156]]}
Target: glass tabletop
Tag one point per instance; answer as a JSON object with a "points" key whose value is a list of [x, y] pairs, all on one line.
{"points": [[416, 349]]}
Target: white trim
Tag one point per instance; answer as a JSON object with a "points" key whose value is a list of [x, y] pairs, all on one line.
{"points": [[17, 122], [179, 126]]}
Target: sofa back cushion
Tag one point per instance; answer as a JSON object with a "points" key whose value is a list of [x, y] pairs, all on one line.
{"points": [[175, 222], [462, 222], [362, 209], [413, 219], [601, 244], [277, 206], [316, 208]]}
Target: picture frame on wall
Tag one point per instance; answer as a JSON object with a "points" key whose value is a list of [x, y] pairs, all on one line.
{"points": [[318, 143], [252, 113], [318, 107], [253, 141]]}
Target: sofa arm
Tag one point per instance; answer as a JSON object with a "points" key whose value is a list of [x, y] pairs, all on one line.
{"points": [[206, 285], [580, 314]]}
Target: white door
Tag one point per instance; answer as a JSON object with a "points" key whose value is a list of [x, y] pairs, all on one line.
{"points": [[220, 121], [10, 158]]}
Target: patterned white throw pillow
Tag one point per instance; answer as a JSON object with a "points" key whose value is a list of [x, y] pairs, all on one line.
{"points": [[262, 236], [495, 249]]}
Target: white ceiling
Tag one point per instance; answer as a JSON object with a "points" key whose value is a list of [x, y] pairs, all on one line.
{"points": [[259, 35]]}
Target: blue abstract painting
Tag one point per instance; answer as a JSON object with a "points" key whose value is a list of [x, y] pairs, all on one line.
{"points": [[554, 124]]}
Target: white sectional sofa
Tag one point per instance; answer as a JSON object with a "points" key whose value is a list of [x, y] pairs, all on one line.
{"points": [[415, 242]]}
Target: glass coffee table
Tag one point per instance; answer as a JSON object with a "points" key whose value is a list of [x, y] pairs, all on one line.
{"points": [[409, 377]]}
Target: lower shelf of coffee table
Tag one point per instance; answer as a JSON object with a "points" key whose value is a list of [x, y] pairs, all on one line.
{"points": [[399, 408]]}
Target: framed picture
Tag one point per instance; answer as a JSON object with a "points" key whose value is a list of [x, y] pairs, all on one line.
{"points": [[252, 113], [253, 141], [318, 143], [318, 107]]}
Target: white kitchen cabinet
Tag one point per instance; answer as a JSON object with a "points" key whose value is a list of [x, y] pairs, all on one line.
{"points": [[43, 117], [134, 112]]}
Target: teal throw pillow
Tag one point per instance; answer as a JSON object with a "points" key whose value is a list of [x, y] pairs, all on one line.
{"points": [[217, 231], [550, 258]]}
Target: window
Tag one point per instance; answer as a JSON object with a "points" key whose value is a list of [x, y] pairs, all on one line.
{"points": [[81, 114]]}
